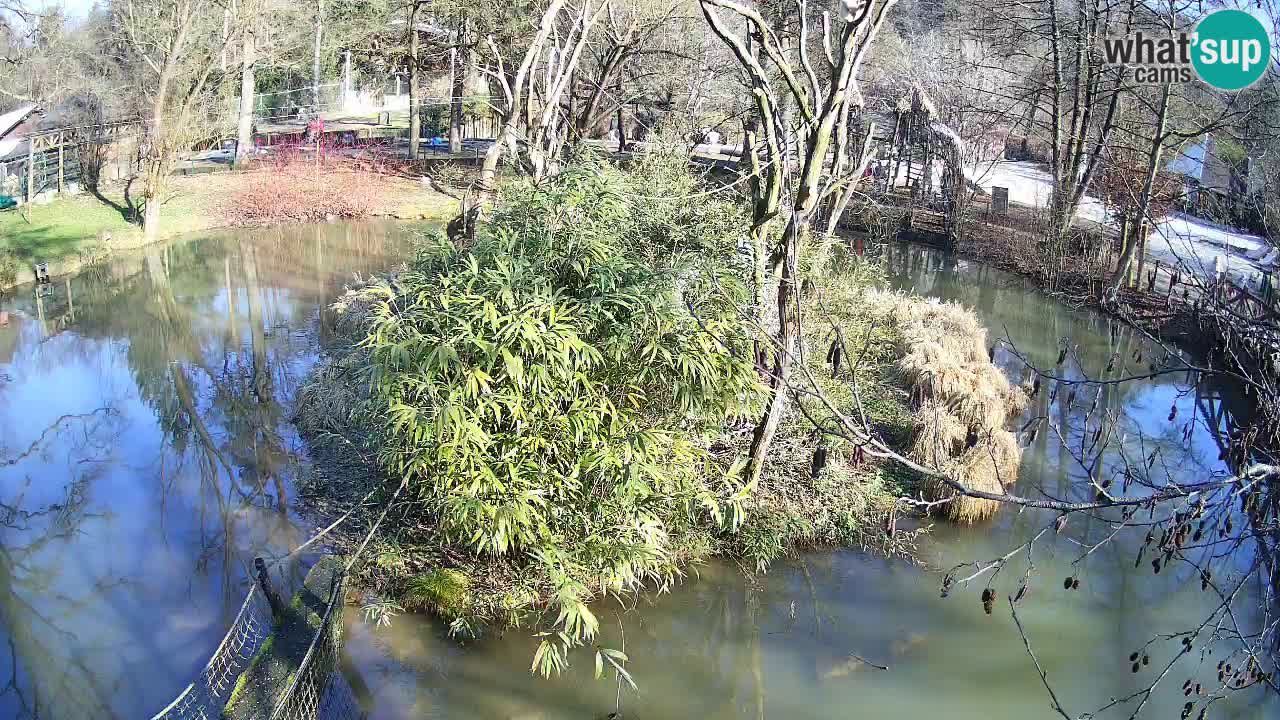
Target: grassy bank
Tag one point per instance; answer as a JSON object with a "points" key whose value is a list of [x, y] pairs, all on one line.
{"points": [[72, 229]]}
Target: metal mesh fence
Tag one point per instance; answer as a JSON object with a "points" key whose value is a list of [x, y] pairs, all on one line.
{"points": [[205, 698], [300, 102], [313, 693], [316, 691]]}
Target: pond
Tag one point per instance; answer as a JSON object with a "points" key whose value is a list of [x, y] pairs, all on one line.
{"points": [[146, 456], [804, 640]]}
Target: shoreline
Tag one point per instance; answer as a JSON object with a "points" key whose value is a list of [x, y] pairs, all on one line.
{"points": [[423, 204], [847, 502]]}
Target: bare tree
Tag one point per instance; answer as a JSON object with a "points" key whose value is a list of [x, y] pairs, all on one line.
{"points": [[630, 32], [248, 18], [415, 91], [175, 49], [459, 63], [533, 121], [813, 158], [316, 50]]}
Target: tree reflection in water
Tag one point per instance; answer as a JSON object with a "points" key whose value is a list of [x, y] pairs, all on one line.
{"points": [[126, 525]]}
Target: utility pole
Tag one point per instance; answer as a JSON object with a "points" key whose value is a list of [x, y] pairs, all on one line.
{"points": [[346, 81]]}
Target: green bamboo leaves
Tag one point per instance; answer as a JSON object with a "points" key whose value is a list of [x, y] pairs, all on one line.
{"points": [[551, 396]]}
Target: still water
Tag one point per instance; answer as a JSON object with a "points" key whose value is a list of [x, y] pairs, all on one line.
{"points": [[803, 640], [146, 456]]}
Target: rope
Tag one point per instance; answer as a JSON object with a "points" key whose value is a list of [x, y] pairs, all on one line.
{"points": [[280, 561], [352, 561]]}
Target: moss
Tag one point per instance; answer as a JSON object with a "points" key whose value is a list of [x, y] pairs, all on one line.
{"points": [[445, 591], [243, 681], [261, 683]]}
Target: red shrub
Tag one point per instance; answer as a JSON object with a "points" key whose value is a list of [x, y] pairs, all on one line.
{"points": [[292, 185]]}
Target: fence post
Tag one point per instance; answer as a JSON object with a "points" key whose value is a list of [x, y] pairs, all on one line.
{"points": [[264, 581], [62, 168], [31, 170]]}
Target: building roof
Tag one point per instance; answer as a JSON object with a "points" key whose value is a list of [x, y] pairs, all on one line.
{"points": [[14, 118], [9, 122], [1190, 162]]}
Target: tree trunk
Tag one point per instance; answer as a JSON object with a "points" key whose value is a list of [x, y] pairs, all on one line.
{"points": [[1144, 229], [806, 200], [460, 61], [622, 131], [1144, 200], [415, 112], [315, 56], [244, 126], [589, 115], [462, 229], [151, 217], [787, 337]]}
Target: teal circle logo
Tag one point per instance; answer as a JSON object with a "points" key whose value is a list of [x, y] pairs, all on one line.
{"points": [[1231, 49]]}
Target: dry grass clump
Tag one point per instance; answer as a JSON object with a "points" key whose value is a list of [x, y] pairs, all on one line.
{"points": [[962, 402], [990, 465], [939, 435]]}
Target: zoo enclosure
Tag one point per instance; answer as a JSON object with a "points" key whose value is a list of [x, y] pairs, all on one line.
{"points": [[61, 157]]}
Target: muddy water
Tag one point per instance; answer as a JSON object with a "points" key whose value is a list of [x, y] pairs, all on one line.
{"points": [[146, 456], [807, 639]]}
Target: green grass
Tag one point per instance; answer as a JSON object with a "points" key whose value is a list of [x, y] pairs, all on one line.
{"points": [[59, 229], [69, 225]]}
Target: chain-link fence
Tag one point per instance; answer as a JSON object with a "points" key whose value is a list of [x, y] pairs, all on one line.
{"points": [[297, 103], [45, 170], [205, 698], [316, 691]]}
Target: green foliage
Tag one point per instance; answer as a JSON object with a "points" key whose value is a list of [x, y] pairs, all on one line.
{"points": [[846, 502], [551, 394], [445, 591], [8, 270]]}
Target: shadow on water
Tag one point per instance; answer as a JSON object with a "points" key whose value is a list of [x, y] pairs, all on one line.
{"points": [[146, 456], [804, 640]]}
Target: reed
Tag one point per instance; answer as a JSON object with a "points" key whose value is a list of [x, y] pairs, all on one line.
{"points": [[962, 403]]}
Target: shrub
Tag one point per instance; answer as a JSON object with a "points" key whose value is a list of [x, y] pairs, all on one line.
{"points": [[294, 188], [551, 395], [445, 591], [8, 270]]}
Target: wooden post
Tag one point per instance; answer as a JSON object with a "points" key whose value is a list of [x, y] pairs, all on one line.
{"points": [[264, 581], [62, 168], [622, 132], [31, 170]]}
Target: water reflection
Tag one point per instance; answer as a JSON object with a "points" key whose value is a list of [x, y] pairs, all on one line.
{"points": [[146, 456], [805, 640]]}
